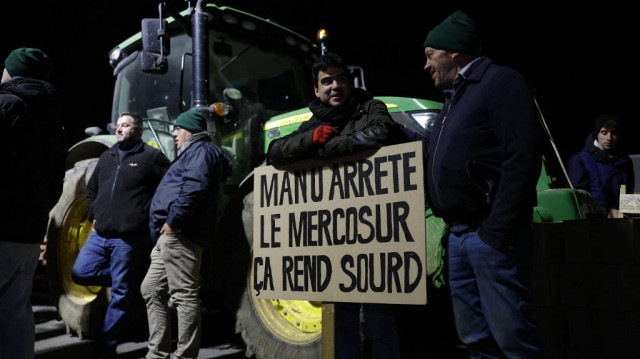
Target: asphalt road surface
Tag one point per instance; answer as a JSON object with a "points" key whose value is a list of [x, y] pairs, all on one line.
{"points": [[425, 332], [52, 342]]}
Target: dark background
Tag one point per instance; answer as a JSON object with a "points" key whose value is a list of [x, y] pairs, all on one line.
{"points": [[580, 60]]}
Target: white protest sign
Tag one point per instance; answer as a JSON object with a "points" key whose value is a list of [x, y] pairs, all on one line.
{"points": [[350, 230]]}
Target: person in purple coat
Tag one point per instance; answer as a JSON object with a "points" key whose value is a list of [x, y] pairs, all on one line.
{"points": [[600, 167]]}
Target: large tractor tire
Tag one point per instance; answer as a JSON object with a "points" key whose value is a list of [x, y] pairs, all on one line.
{"points": [[272, 328], [81, 308]]}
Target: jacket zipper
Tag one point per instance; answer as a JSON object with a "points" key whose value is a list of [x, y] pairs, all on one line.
{"points": [[435, 150]]}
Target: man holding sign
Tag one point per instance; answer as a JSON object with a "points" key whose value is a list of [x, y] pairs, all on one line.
{"points": [[345, 121]]}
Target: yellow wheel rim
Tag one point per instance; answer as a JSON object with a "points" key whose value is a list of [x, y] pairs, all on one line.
{"points": [[293, 321], [73, 233]]}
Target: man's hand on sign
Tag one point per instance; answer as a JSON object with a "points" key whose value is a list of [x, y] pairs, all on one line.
{"points": [[323, 133]]}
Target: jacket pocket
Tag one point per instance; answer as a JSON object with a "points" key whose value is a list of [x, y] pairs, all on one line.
{"points": [[482, 182]]}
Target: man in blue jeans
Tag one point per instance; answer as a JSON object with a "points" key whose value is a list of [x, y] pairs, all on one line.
{"points": [[119, 194], [483, 162]]}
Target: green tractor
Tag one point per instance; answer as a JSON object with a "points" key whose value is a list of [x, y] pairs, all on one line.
{"points": [[253, 76]]}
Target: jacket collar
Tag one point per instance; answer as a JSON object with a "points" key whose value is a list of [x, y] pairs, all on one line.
{"points": [[476, 69], [135, 149]]}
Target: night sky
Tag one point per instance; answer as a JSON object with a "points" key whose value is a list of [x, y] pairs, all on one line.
{"points": [[580, 61]]}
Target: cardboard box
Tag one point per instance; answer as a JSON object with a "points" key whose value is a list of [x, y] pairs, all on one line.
{"points": [[552, 326], [584, 325], [578, 289], [608, 241], [546, 284], [549, 244], [578, 246], [617, 287]]}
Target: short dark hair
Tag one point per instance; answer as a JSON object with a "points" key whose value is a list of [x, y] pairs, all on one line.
{"points": [[324, 62], [137, 119], [607, 121]]}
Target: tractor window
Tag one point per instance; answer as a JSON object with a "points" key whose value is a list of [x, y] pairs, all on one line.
{"points": [[271, 82], [276, 81], [144, 93]]}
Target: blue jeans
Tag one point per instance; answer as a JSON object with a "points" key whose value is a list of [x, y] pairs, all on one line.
{"points": [[379, 327], [491, 296], [115, 263], [18, 262]]}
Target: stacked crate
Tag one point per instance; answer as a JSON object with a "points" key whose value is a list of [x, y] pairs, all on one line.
{"points": [[587, 304], [548, 310]]}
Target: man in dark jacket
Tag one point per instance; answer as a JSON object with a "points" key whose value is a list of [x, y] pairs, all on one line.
{"points": [[345, 121], [483, 162], [33, 151], [118, 198], [600, 168], [182, 223]]}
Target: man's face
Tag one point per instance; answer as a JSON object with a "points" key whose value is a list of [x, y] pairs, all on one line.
{"points": [[607, 139], [180, 136], [441, 68], [333, 87], [126, 131]]}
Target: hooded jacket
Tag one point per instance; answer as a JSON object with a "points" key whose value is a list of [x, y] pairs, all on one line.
{"points": [[484, 156], [362, 122], [34, 151], [119, 192], [187, 196], [593, 170]]}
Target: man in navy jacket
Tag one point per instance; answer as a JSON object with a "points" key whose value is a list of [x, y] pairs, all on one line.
{"points": [[182, 222], [483, 162]]}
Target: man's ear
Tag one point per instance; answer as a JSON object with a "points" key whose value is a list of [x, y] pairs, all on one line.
{"points": [[315, 90]]}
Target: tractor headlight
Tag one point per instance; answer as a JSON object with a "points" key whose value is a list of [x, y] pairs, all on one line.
{"points": [[115, 57], [425, 119]]}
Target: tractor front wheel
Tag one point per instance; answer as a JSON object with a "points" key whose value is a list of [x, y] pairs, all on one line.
{"points": [[276, 328], [81, 308]]}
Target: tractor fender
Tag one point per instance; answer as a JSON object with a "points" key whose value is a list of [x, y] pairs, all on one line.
{"points": [[91, 147]]}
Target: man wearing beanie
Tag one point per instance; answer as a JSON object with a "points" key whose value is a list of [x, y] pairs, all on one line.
{"points": [[483, 162], [33, 151], [346, 120], [181, 222], [600, 167]]}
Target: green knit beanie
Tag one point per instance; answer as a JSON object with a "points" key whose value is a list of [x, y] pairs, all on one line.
{"points": [[28, 62], [457, 32], [192, 120]]}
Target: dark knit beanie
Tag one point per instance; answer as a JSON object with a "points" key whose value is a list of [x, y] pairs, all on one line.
{"points": [[611, 122], [28, 62], [192, 120], [457, 32]]}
